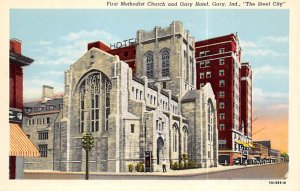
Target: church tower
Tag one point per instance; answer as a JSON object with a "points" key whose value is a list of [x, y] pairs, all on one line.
{"points": [[166, 56]]}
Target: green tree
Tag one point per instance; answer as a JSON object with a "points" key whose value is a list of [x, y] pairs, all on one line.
{"points": [[285, 155]]}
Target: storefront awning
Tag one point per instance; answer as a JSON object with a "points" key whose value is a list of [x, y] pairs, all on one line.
{"points": [[251, 145], [20, 145], [239, 142]]}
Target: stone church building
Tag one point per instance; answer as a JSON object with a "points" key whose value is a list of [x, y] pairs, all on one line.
{"points": [[157, 109]]}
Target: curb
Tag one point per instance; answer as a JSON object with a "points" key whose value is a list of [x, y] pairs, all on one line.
{"points": [[159, 174]]}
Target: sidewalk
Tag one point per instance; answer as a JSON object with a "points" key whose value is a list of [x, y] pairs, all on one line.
{"points": [[187, 172]]}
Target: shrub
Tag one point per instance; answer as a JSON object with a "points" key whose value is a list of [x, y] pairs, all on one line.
{"points": [[130, 167], [176, 166], [185, 165], [172, 165], [140, 167], [180, 165], [192, 164]]}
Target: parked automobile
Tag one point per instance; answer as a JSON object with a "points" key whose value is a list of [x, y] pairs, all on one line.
{"points": [[237, 161]]}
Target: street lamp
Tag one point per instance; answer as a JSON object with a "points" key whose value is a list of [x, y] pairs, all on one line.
{"points": [[87, 144]]}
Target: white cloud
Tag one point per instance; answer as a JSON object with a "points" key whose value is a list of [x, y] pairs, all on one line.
{"points": [[261, 95], [58, 61], [247, 44], [269, 104], [53, 73], [269, 70], [259, 47], [263, 52], [276, 39], [42, 42], [91, 35], [33, 88]]}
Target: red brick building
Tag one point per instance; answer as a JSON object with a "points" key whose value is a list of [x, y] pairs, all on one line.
{"points": [[20, 145], [246, 98], [218, 61]]}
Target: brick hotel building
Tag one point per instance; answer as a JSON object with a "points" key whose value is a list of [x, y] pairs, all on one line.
{"points": [[219, 63]]}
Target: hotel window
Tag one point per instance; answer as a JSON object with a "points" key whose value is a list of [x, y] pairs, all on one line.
{"points": [[221, 72], [221, 61], [202, 53], [222, 146], [222, 127], [165, 63], [221, 50], [132, 128], [208, 74], [201, 85], [206, 53], [43, 149], [222, 115], [222, 83], [202, 64], [207, 63], [221, 94], [150, 65], [221, 105], [43, 135], [202, 75]]}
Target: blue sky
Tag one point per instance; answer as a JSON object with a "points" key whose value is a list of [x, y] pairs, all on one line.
{"points": [[57, 38]]}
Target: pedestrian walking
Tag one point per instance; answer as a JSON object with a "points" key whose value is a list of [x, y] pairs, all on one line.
{"points": [[164, 165]]}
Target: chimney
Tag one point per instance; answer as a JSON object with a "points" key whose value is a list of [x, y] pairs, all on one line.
{"points": [[47, 93], [15, 46]]}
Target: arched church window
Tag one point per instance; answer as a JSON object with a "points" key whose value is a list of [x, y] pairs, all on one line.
{"points": [[210, 120], [82, 96], [150, 65], [94, 93], [165, 63], [175, 137], [185, 138]]}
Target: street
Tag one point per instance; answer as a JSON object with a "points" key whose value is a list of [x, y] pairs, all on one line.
{"points": [[271, 171]]}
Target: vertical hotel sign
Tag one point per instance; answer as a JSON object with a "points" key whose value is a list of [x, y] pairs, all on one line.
{"points": [[15, 115]]}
